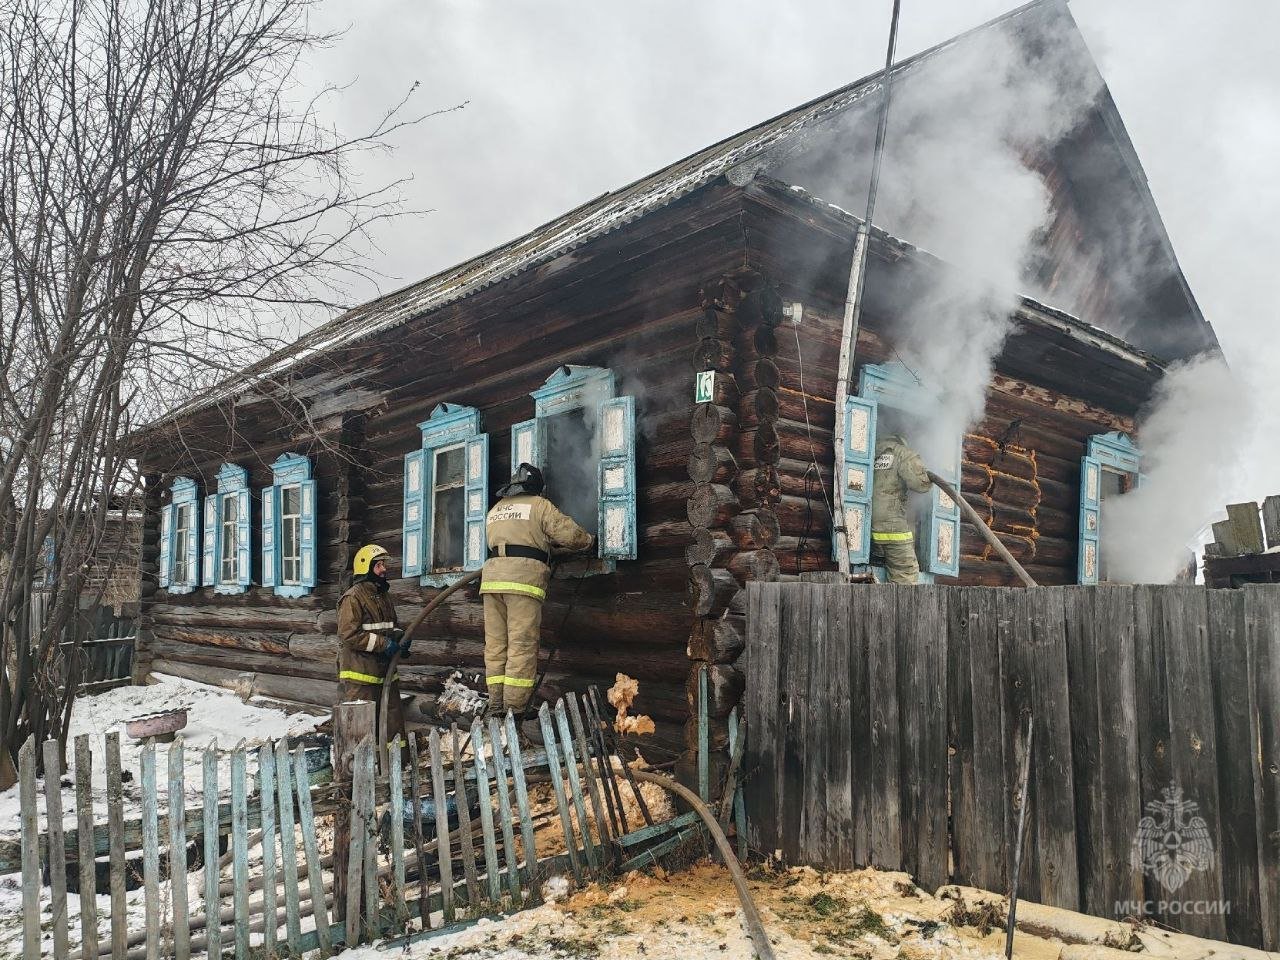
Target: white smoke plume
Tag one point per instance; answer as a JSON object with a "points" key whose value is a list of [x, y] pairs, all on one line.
{"points": [[956, 182], [1192, 436], [963, 129]]}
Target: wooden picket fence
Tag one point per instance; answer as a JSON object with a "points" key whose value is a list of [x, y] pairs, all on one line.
{"points": [[263, 908]]}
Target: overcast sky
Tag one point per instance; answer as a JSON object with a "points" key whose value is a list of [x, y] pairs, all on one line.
{"points": [[570, 98]]}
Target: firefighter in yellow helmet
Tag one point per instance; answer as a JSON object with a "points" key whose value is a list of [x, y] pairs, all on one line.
{"points": [[899, 471], [369, 636], [523, 529]]}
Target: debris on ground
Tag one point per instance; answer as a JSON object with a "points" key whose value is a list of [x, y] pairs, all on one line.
{"points": [[621, 695], [694, 915]]}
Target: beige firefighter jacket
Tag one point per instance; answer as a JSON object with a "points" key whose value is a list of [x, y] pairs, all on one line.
{"points": [[530, 521], [898, 470], [363, 613]]}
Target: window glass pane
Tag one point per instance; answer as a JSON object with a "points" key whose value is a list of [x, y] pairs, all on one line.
{"points": [[230, 505], [449, 467], [291, 551], [182, 526], [290, 526], [447, 525]]}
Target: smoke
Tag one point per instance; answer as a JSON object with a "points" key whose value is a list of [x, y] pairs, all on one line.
{"points": [[956, 182], [1192, 436]]}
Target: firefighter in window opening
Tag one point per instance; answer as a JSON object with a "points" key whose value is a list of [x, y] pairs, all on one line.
{"points": [[369, 636], [898, 471], [523, 529]]}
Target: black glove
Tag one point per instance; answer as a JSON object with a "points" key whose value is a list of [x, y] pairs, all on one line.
{"points": [[395, 643]]}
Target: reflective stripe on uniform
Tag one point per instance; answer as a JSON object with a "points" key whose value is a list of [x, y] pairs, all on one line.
{"points": [[373, 643], [506, 586], [384, 625], [890, 537], [362, 677], [517, 682], [494, 681]]}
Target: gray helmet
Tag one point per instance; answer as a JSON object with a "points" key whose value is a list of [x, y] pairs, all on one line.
{"points": [[526, 479]]}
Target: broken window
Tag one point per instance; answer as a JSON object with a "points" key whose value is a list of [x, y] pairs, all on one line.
{"points": [[583, 439], [1111, 469], [892, 400], [446, 497], [179, 539], [226, 532], [573, 465], [288, 527]]}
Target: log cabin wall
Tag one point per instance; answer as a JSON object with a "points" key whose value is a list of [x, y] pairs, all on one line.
{"points": [[1020, 464], [629, 301]]}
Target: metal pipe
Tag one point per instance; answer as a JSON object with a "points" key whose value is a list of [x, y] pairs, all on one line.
{"points": [[853, 299], [972, 516]]}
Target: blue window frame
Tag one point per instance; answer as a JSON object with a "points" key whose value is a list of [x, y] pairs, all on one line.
{"points": [[893, 386], [1112, 466], [604, 431], [180, 538], [446, 497], [289, 527], [226, 532]]}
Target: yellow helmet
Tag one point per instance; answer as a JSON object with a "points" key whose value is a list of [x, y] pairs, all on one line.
{"points": [[366, 556]]}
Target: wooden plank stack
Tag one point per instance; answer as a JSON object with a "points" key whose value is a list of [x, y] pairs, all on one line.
{"points": [[1246, 546]]}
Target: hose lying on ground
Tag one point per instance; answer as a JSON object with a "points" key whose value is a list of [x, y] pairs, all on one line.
{"points": [[972, 516], [755, 927]]}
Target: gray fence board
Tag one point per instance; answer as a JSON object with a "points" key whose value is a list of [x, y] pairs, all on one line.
{"points": [[1117, 696], [888, 726], [1238, 813]]}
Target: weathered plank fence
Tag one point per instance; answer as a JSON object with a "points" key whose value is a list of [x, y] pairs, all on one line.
{"points": [[887, 727], [246, 869]]}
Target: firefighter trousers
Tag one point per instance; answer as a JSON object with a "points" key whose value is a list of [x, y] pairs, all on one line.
{"points": [[512, 627], [899, 558]]}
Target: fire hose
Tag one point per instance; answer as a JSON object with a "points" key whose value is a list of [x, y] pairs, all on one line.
{"points": [[972, 516], [750, 915], [407, 640]]}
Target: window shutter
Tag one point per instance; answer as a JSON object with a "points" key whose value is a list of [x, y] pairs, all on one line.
{"points": [[414, 512], [211, 541], [1090, 519], [524, 444], [270, 539], [307, 533], [857, 477], [166, 543], [618, 479], [477, 499], [944, 525], [244, 540]]}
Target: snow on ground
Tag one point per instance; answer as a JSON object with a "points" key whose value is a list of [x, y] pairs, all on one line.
{"points": [[215, 716], [695, 915]]}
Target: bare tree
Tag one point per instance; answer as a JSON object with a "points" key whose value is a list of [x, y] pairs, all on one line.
{"points": [[171, 207]]}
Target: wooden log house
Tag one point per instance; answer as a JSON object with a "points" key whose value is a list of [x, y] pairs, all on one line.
{"points": [[582, 346]]}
